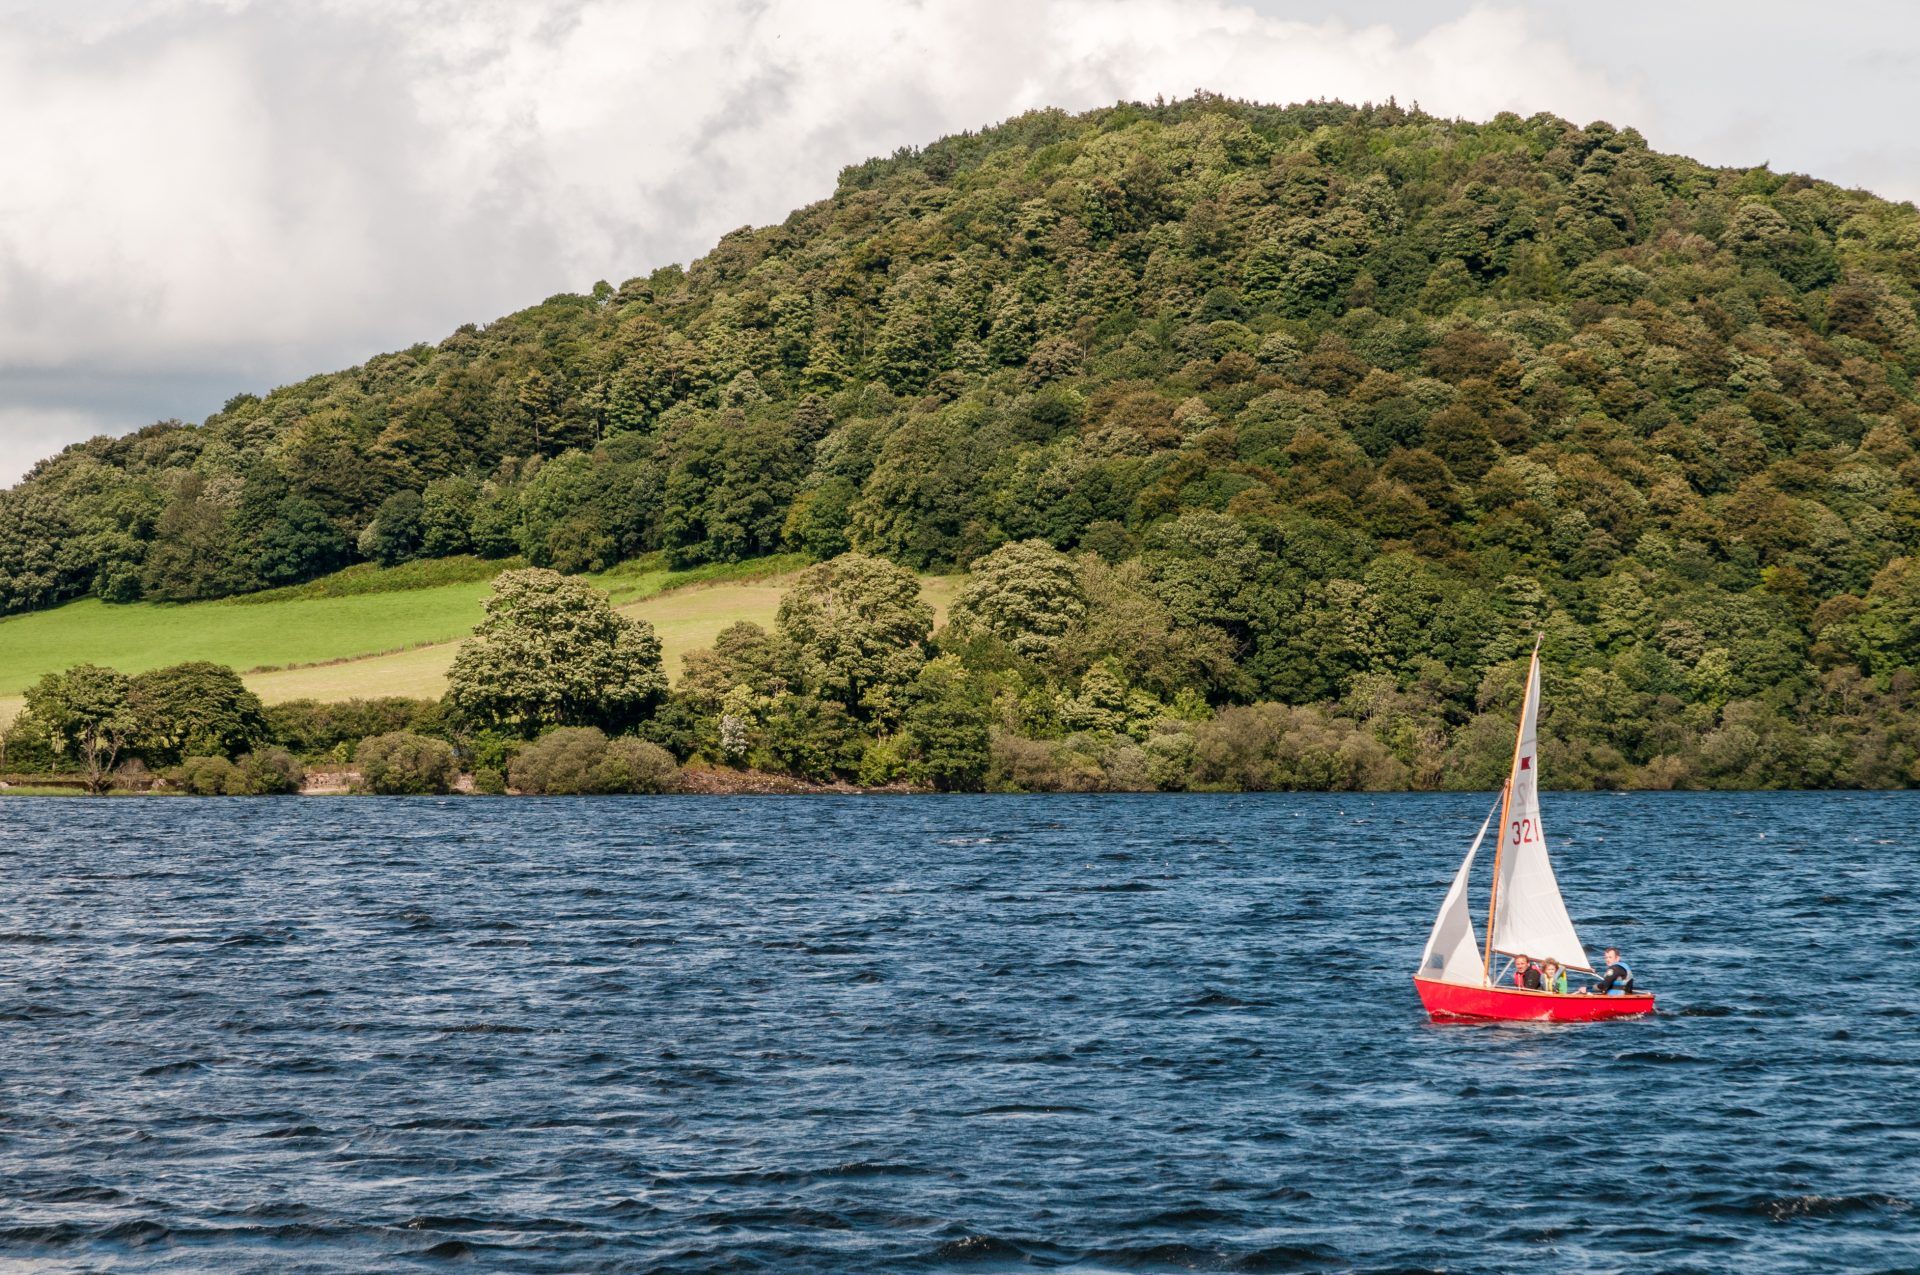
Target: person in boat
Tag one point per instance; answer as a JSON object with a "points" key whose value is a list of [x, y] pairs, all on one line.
{"points": [[1552, 977], [1613, 973], [1525, 975]]}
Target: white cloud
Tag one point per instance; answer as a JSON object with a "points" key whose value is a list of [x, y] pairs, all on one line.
{"points": [[286, 188]]}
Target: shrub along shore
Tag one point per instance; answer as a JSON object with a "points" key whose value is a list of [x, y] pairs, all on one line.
{"points": [[699, 779], [556, 693]]}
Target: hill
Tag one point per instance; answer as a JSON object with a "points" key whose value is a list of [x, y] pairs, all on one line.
{"points": [[1358, 398]]}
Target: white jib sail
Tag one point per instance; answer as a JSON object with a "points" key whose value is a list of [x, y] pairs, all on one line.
{"points": [[1529, 916], [1453, 951]]}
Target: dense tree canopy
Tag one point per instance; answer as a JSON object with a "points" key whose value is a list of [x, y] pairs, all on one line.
{"points": [[84, 715], [1316, 405], [1025, 594], [194, 709], [854, 630], [93, 717], [552, 652]]}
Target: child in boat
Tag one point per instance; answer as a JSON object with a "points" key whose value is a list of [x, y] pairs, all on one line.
{"points": [[1524, 975], [1552, 977]]}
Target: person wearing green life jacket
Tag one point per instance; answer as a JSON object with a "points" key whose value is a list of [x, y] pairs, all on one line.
{"points": [[1552, 977]]}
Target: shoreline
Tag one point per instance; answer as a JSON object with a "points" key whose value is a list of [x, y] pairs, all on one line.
{"points": [[720, 781], [691, 781]]}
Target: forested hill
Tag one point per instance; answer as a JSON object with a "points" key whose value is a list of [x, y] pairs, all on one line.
{"points": [[1364, 391]]}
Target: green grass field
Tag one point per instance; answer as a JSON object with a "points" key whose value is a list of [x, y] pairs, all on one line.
{"points": [[368, 632]]}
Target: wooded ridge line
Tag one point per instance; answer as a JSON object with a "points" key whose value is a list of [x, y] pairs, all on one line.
{"points": [[1252, 424]]}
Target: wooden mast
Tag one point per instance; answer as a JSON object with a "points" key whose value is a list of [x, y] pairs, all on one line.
{"points": [[1506, 807]]}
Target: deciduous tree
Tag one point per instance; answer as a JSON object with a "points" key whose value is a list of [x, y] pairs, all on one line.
{"points": [[856, 629], [551, 651], [87, 714]]}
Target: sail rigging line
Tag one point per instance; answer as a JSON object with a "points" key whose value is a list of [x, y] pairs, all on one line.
{"points": [[1506, 808], [1530, 915], [1493, 895]]}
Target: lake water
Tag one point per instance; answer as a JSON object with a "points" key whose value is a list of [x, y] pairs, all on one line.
{"points": [[980, 1034]]}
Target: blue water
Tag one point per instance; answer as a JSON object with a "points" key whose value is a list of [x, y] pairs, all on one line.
{"points": [[980, 1034]]}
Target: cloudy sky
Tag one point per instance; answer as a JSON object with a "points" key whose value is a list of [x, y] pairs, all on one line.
{"points": [[199, 197]]}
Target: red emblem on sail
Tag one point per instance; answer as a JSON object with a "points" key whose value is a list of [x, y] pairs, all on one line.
{"points": [[1526, 763]]}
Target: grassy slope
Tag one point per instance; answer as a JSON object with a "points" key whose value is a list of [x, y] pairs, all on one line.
{"points": [[365, 633]]}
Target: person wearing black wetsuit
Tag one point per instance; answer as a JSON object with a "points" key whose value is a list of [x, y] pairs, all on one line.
{"points": [[1614, 974], [1525, 975]]}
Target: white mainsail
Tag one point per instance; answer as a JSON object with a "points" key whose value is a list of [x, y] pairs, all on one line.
{"points": [[1453, 951], [1529, 916]]}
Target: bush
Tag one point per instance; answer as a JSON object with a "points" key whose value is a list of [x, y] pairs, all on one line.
{"points": [[580, 759], [883, 761], [270, 772], [487, 749], [311, 729], [265, 772], [206, 777], [402, 763], [26, 750], [1090, 761], [559, 762], [1276, 748], [1040, 765], [636, 766]]}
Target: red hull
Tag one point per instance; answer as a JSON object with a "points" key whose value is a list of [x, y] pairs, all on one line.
{"points": [[1514, 1004]]}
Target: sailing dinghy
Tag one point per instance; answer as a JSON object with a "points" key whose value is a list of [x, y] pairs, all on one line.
{"points": [[1528, 917]]}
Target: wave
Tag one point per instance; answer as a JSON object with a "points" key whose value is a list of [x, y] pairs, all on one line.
{"points": [[1788, 1208], [183, 1065], [1213, 998], [978, 1248]]}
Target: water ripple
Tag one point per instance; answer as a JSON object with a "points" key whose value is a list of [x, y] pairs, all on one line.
{"points": [[966, 1034]]}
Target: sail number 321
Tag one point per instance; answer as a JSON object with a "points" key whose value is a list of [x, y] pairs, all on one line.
{"points": [[1523, 831]]}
